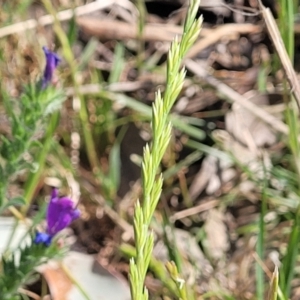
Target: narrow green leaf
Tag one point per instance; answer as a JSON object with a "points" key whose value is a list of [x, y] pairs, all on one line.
{"points": [[260, 242], [17, 201], [118, 64], [87, 53], [272, 295], [72, 30], [288, 266], [115, 161]]}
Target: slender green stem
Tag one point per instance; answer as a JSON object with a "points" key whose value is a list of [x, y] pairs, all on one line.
{"points": [[286, 22], [75, 282], [274, 286], [155, 266], [11, 236], [83, 113], [141, 25], [153, 154], [34, 177], [260, 242]]}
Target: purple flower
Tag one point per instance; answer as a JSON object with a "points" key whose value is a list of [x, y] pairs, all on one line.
{"points": [[60, 213], [52, 61], [42, 238]]}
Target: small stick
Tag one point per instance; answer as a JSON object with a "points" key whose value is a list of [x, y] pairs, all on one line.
{"points": [[194, 210], [114, 29], [281, 51], [48, 19]]}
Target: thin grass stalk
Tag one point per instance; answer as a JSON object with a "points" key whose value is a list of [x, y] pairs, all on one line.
{"points": [[156, 267], [294, 130], [182, 291], [287, 270], [161, 128], [83, 113], [286, 24], [34, 177], [260, 242], [272, 295], [286, 21], [290, 29], [75, 282], [170, 242], [141, 6]]}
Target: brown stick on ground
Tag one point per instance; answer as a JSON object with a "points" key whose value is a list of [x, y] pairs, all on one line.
{"points": [[64, 15], [282, 53], [113, 29]]}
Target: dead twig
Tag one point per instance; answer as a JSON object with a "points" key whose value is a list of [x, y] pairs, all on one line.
{"points": [[62, 16], [116, 87], [114, 29], [194, 210], [29, 294], [282, 53]]}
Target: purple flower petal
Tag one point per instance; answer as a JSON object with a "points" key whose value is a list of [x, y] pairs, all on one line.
{"points": [[54, 193], [52, 61], [42, 238], [60, 213]]}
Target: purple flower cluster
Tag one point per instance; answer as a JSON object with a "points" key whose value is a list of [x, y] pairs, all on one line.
{"points": [[52, 61], [60, 213]]}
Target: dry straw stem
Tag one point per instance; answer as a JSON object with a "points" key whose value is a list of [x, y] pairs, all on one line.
{"points": [[114, 29], [178, 280], [194, 210], [282, 53], [161, 128], [61, 16], [273, 291]]}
